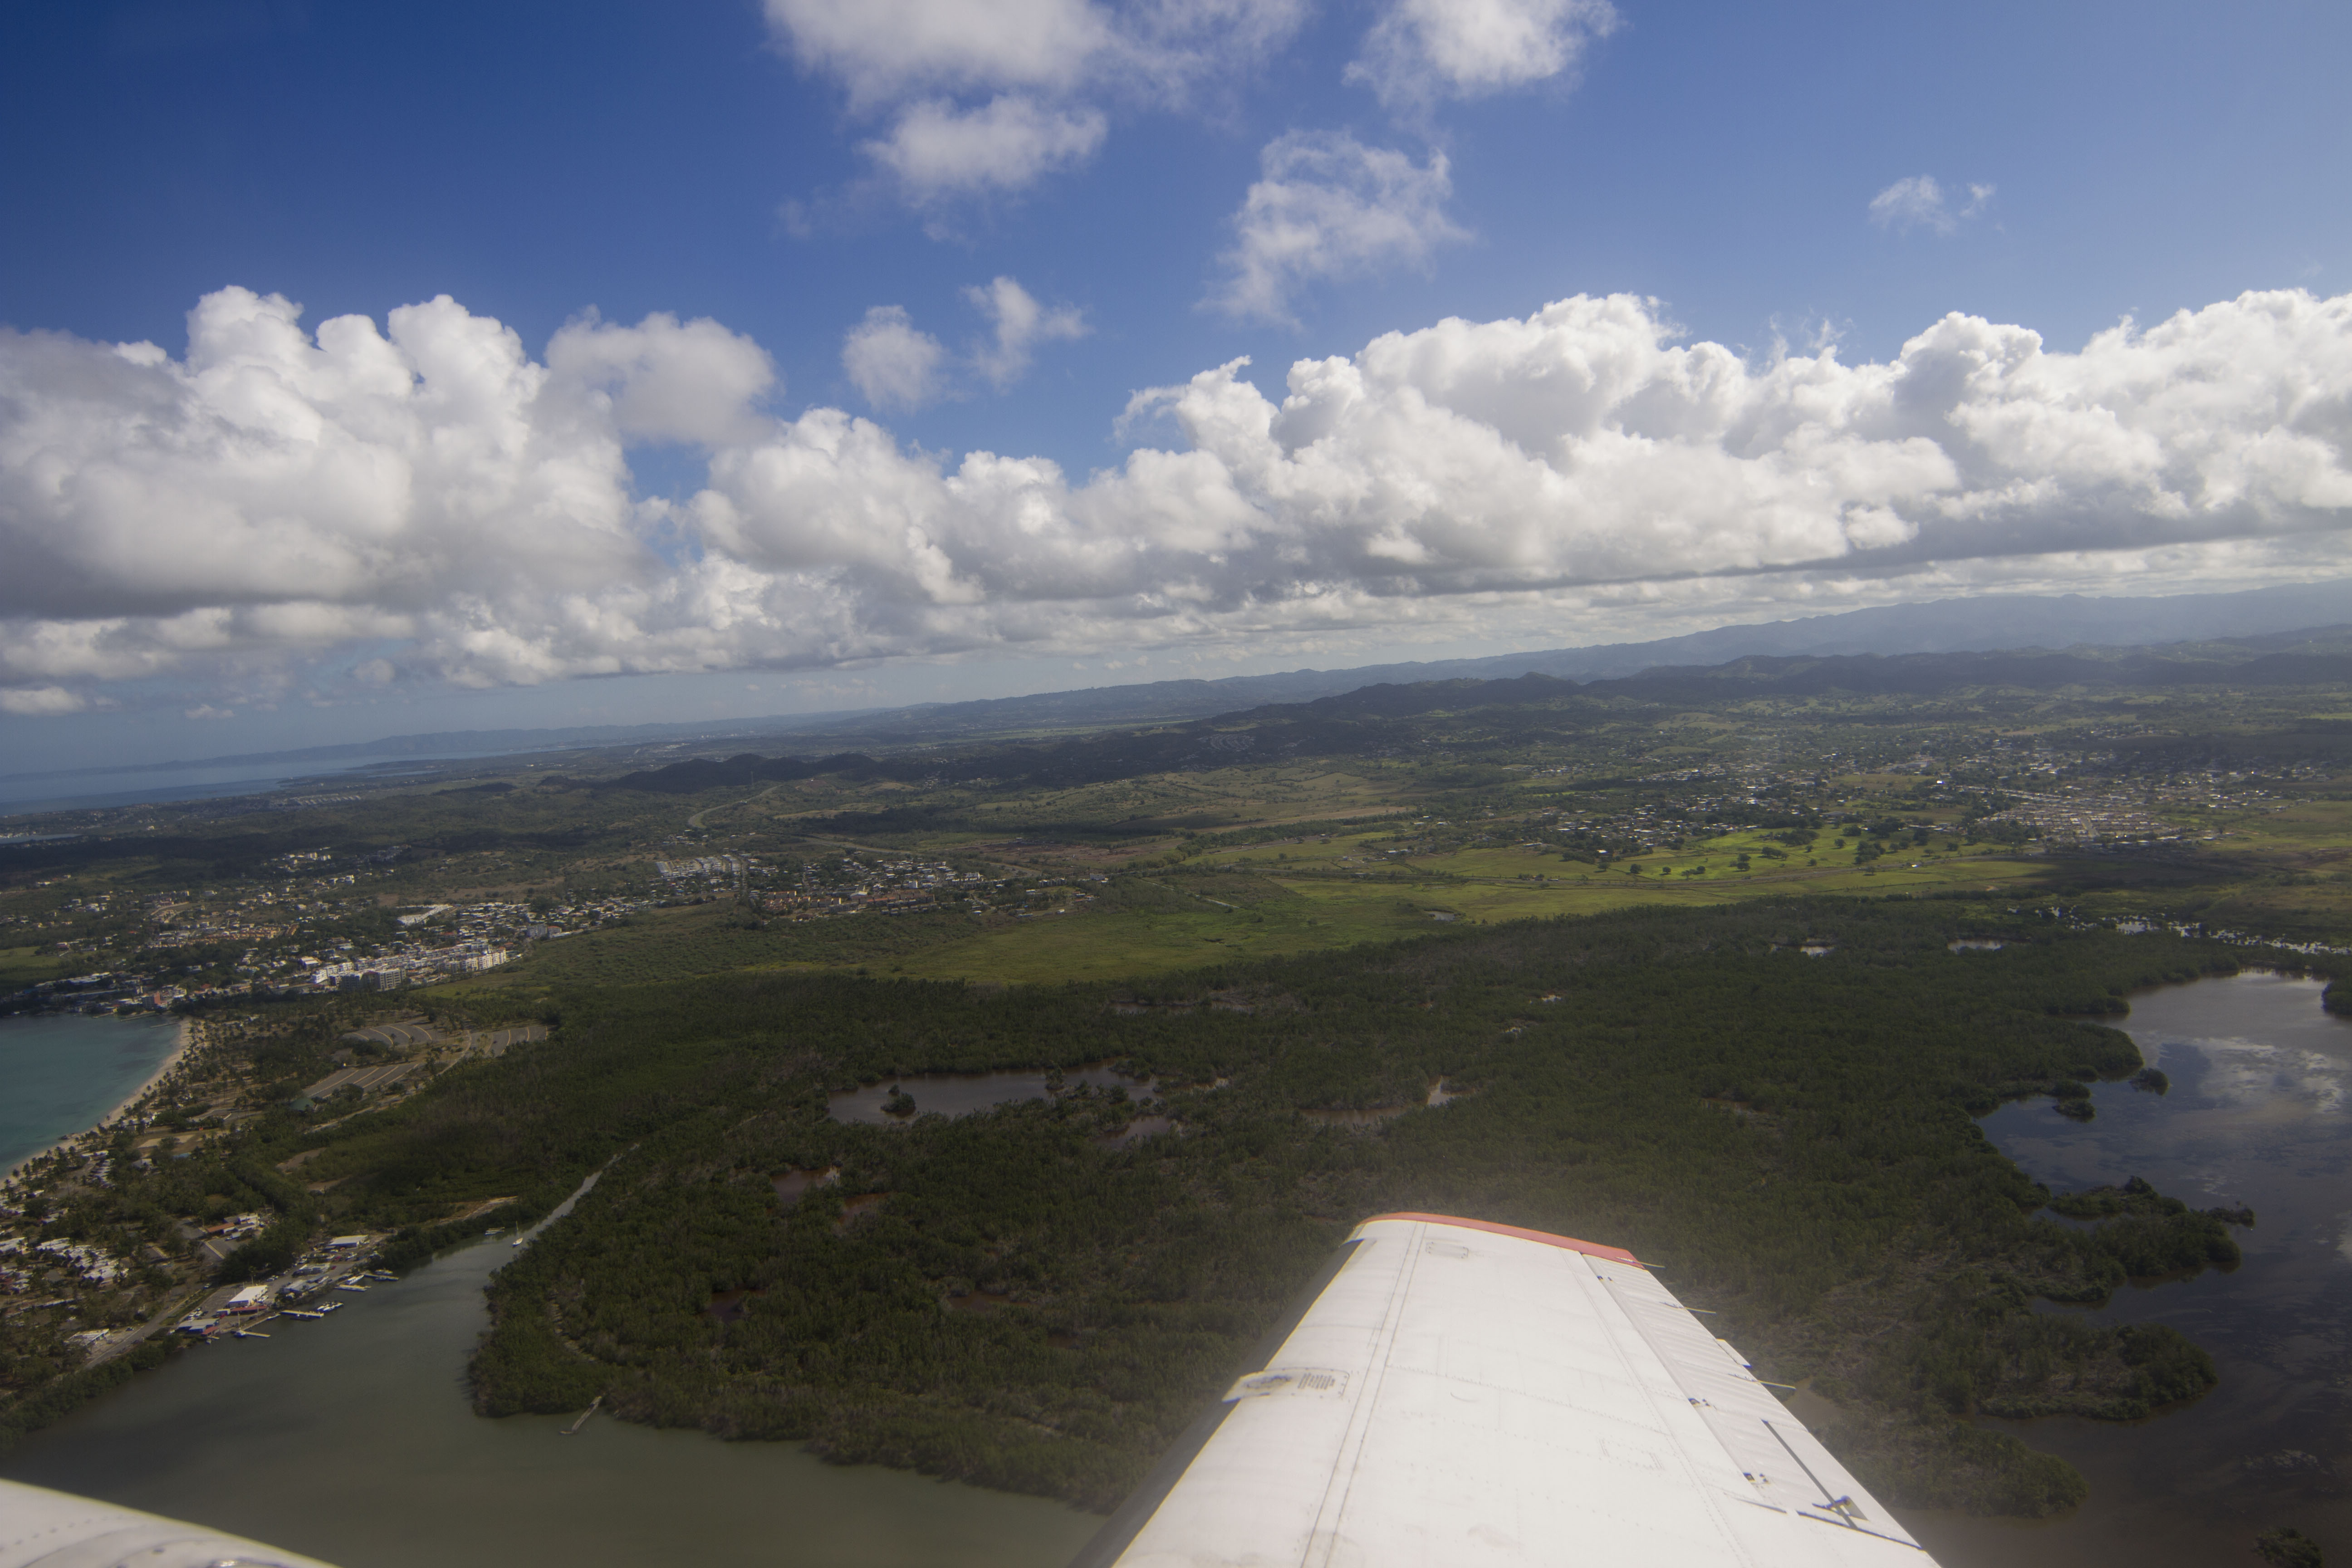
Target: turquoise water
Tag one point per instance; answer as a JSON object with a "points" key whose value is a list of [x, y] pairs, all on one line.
{"points": [[60, 1074]]}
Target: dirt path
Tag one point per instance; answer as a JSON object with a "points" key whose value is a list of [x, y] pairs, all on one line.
{"points": [[695, 820]]}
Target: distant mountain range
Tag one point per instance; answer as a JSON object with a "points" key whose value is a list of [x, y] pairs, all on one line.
{"points": [[2319, 656], [2003, 622], [1357, 720], [1998, 622]]}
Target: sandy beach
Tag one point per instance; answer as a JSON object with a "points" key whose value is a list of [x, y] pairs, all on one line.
{"points": [[187, 1035], [187, 1028]]}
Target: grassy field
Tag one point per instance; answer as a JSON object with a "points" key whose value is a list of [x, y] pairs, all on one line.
{"points": [[710, 938], [1272, 900], [1393, 826], [1114, 943], [1294, 913], [1169, 906], [2287, 871], [1515, 882], [27, 966]]}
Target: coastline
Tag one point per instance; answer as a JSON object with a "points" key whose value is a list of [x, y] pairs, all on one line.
{"points": [[187, 1027], [187, 1032]]}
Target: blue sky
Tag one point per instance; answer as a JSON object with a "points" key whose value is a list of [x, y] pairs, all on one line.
{"points": [[921, 230]]}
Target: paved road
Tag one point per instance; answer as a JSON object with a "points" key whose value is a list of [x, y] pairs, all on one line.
{"points": [[123, 1340]]}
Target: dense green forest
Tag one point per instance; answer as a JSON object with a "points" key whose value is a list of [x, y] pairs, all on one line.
{"points": [[1027, 1299]]}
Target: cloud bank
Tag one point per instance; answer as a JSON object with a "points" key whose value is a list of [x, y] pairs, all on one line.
{"points": [[430, 499]]}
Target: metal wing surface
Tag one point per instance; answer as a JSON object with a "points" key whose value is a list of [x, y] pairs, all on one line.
{"points": [[1462, 1394], [45, 1529]]}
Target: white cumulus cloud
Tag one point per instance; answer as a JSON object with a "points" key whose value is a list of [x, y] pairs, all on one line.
{"points": [[884, 49], [1020, 323], [1009, 143], [978, 100], [1420, 50], [1325, 205], [1919, 200], [429, 495], [40, 701], [277, 490], [893, 363], [694, 381]]}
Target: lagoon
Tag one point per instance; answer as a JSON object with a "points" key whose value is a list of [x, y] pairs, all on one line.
{"points": [[964, 1093], [2258, 1113]]}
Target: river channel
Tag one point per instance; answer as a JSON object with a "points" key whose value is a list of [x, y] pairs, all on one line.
{"points": [[2258, 1113], [350, 1439]]}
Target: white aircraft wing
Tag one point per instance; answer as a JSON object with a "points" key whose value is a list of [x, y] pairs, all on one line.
{"points": [[42, 1529], [1462, 1394]]}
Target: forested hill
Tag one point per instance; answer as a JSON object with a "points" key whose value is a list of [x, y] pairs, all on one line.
{"points": [[1362, 722], [1939, 627], [2310, 658], [2321, 657], [750, 769], [1042, 1296]]}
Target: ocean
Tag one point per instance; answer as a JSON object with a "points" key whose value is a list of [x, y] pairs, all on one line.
{"points": [[60, 1074], [85, 789]]}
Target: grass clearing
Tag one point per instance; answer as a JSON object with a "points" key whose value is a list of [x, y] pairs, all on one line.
{"points": [[1229, 906], [27, 966], [1111, 944]]}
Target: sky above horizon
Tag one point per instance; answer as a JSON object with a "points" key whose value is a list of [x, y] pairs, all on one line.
{"points": [[368, 370]]}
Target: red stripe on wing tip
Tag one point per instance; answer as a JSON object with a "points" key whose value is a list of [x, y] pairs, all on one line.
{"points": [[1590, 1248]]}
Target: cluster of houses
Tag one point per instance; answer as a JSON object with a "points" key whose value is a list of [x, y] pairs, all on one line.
{"points": [[889, 886]]}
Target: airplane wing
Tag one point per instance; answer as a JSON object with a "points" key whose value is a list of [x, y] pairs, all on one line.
{"points": [[1460, 1393], [42, 1529]]}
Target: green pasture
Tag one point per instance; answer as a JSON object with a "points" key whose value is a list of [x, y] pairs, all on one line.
{"points": [[22, 966], [1110, 944], [712, 938], [1263, 902]]}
